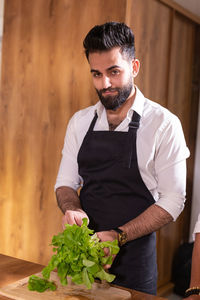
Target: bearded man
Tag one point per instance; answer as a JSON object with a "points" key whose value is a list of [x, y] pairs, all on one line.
{"points": [[128, 155]]}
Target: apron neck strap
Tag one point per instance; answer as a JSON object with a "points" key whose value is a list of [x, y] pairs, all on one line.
{"points": [[133, 127], [93, 122], [135, 121]]}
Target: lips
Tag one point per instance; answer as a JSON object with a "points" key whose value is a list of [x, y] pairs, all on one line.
{"points": [[109, 92]]}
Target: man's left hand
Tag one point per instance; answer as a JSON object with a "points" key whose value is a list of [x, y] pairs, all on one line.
{"points": [[104, 236]]}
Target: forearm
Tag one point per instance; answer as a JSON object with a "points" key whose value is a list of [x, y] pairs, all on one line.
{"points": [[195, 271], [149, 221], [67, 199]]}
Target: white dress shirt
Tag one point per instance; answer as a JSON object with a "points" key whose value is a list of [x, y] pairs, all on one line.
{"points": [[161, 150]]}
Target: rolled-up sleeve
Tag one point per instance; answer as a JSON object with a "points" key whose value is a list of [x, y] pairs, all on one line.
{"points": [[170, 165], [171, 189]]}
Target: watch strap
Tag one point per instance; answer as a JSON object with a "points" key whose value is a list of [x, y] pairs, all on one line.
{"points": [[117, 230], [122, 236]]}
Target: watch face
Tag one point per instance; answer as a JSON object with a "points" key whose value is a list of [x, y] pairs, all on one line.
{"points": [[122, 238]]}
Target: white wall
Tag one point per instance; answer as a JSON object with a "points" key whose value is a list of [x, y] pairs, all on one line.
{"points": [[1, 14], [191, 5]]}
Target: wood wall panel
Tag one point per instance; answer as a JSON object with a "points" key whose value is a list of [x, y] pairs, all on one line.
{"points": [[181, 66], [45, 79], [150, 22]]}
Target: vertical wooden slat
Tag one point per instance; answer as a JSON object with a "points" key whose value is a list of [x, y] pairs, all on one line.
{"points": [[129, 4], [150, 23]]}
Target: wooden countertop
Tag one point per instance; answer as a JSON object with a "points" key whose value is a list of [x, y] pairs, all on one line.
{"points": [[13, 269]]}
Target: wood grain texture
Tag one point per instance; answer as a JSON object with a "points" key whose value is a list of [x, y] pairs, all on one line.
{"points": [[45, 79], [15, 269], [19, 291], [151, 23]]}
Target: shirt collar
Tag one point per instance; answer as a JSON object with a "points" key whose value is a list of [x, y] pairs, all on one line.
{"points": [[138, 105]]}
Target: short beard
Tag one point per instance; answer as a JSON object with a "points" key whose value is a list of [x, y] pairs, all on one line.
{"points": [[114, 102]]}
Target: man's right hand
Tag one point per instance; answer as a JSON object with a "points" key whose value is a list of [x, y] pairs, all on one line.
{"points": [[74, 217], [69, 202]]}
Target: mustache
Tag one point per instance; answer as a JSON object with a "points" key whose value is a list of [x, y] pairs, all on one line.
{"points": [[109, 90]]}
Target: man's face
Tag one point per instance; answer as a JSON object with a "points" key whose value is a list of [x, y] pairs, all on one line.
{"points": [[112, 77]]}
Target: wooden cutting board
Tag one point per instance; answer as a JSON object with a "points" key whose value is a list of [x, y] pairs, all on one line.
{"points": [[19, 291]]}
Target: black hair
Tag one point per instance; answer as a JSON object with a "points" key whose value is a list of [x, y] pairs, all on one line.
{"points": [[111, 34]]}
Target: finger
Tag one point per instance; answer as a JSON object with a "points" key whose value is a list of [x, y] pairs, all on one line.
{"points": [[67, 219], [106, 267], [106, 251], [70, 218], [78, 220], [73, 217]]}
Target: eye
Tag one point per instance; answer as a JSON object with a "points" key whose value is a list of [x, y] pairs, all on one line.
{"points": [[115, 72], [96, 74]]}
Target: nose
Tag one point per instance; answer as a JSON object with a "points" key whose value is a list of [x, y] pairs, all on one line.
{"points": [[106, 83]]}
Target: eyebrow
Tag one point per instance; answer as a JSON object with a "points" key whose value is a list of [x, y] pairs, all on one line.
{"points": [[110, 68], [113, 67], [94, 71]]}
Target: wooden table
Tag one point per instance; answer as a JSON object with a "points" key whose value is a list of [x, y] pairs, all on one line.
{"points": [[13, 269]]}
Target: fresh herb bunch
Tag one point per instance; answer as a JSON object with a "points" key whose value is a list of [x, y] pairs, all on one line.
{"points": [[80, 255]]}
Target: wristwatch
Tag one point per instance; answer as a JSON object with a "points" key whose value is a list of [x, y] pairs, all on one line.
{"points": [[122, 236], [192, 291]]}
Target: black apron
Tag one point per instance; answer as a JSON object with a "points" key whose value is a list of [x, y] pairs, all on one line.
{"points": [[114, 193]]}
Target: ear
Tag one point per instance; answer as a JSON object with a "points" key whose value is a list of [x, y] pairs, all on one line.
{"points": [[136, 67]]}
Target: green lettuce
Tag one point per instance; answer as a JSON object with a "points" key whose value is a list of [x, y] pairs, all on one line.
{"points": [[79, 255]]}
